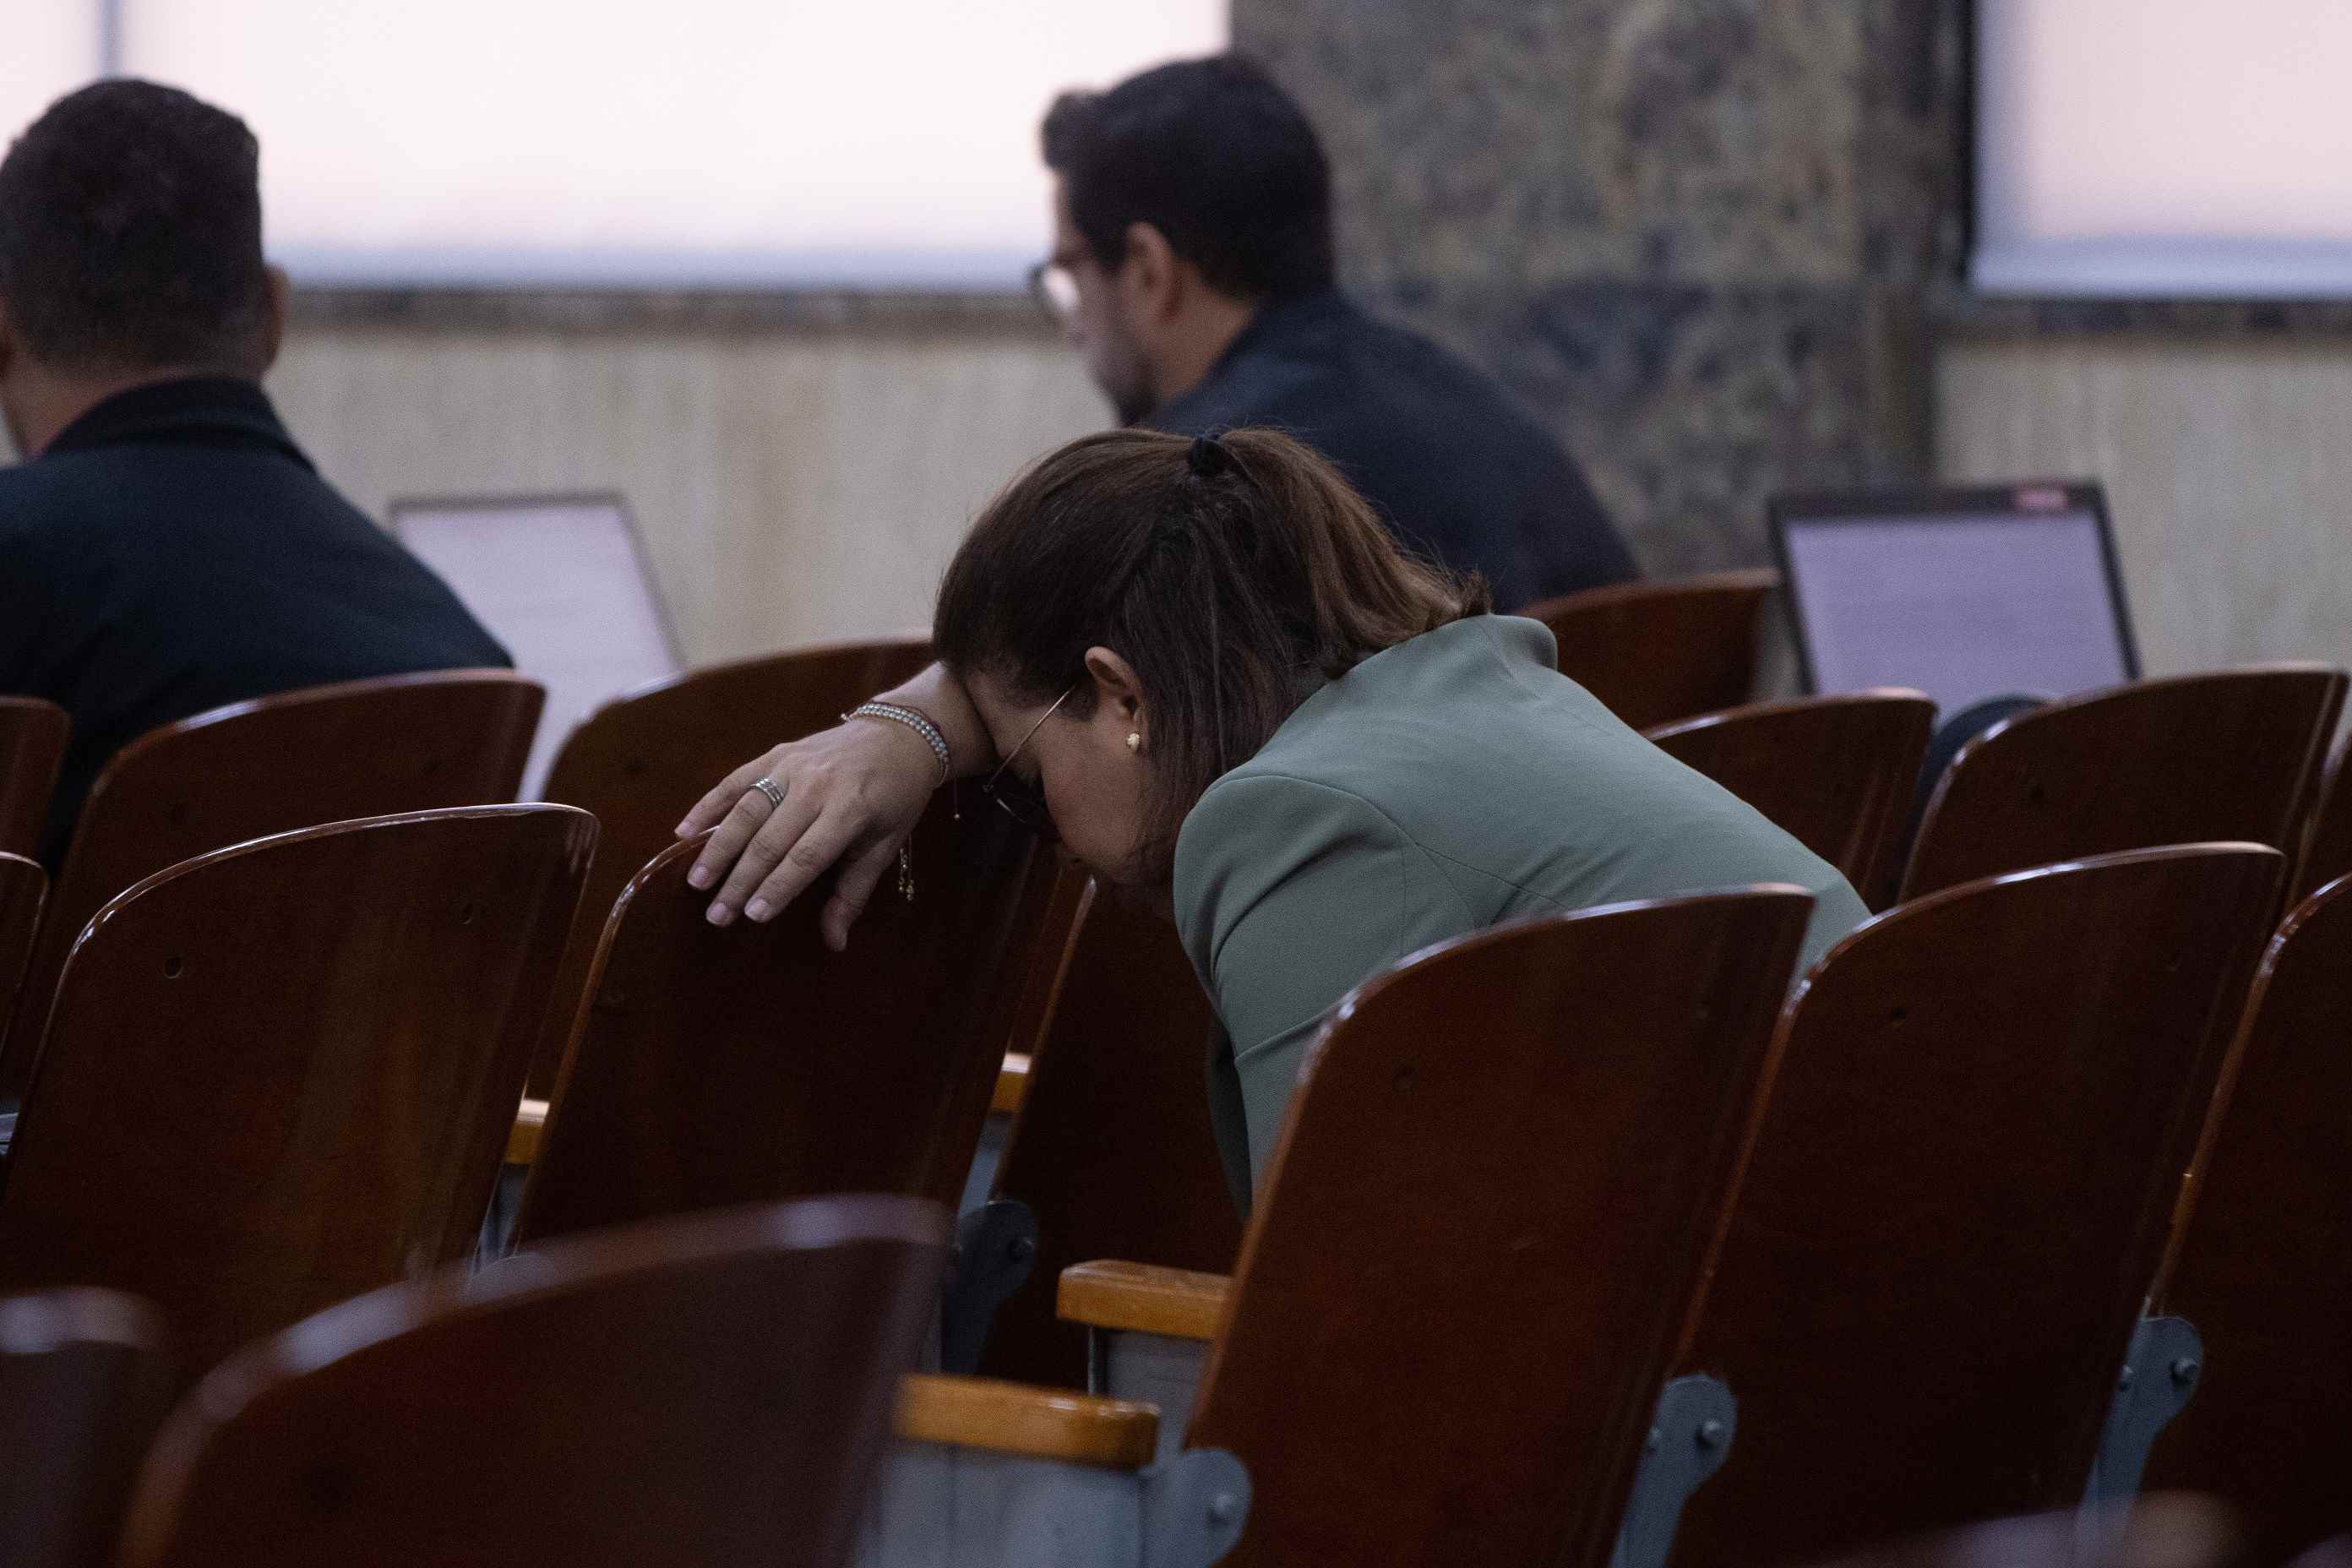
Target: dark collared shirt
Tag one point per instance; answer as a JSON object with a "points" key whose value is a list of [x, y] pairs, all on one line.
{"points": [[1457, 471], [173, 551]]}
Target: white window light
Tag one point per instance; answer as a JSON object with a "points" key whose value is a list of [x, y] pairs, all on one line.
{"points": [[2181, 148], [692, 142]]}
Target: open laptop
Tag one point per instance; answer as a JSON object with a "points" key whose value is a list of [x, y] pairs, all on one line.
{"points": [[560, 579], [1964, 593]]}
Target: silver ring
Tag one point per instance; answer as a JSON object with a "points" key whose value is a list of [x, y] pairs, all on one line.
{"points": [[768, 787]]}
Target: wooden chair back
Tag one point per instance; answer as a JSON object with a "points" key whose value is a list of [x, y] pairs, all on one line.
{"points": [[1112, 1151], [2260, 1265], [715, 1390], [1836, 772], [2230, 755], [284, 1073], [1659, 652], [1958, 1196], [2327, 847], [22, 887], [643, 760], [751, 1064], [85, 1380], [1481, 1229], [300, 759], [33, 735]]}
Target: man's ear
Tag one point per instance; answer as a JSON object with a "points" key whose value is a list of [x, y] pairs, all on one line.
{"points": [[1151, 272], [1117, 690], [276, 309]]}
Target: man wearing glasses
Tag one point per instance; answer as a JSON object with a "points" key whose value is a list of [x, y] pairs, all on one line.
{"points": [[1192, 268]]}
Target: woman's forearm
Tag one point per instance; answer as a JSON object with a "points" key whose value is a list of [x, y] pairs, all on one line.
{"points": [[937, 694]]}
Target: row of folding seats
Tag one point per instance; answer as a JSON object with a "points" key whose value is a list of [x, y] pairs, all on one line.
{"points": [[1525, 1311], [665, 929]]}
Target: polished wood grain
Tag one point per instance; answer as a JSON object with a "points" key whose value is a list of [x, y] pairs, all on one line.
{"points": [[2234, 754], [2258, 1260], [23, 888], [33, 736], [326, 753], [1143, 1298], [716, 1066], [1481, 1228], [522, 1141], [85, 1380], [1958, 1196], [1012, 1086], [1113, 1151], [2327, 847], [641, 761], [1000, 1417], [530, 1118], [1836, 772], [284, 1073], [713, 1390], [1659, 652]]}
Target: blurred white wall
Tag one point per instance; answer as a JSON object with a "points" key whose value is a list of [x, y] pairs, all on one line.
{"points": [[794, 485]]}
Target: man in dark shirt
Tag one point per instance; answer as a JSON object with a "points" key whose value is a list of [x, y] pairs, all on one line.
{"points": [[1193, 268], [167, 548]]}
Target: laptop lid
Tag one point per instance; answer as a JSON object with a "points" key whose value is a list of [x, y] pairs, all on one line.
{"points": [[1964, 593], [562, 580]]}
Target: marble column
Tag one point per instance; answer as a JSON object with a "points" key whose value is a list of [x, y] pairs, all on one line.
{"points": [[1694, 237]]}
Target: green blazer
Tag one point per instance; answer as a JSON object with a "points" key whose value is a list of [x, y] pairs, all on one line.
{"points": [[1442, 785]]}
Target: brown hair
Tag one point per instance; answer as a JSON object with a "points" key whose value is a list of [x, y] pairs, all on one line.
{"points": [[1229, 572]]}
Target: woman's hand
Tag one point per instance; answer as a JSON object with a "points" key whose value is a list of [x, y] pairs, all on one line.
{"points": [[852, 794]]}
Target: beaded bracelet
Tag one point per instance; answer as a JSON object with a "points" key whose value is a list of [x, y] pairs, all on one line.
{"points": [[915, 718]]}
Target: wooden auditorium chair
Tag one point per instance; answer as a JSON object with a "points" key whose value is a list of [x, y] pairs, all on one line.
{"points": [[704, 1390], [282, 1073], [713, 1066], [641, 761], [1659, 652], [2231, 755], [85, 1380], [1837, 772], [1449, 1335], [1958, 1196], [23, 887], [1112, 1149], [326, 753], [2328, 846], [33, 735], [2260, 1267]]}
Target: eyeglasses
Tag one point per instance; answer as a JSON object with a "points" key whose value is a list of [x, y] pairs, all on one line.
{"points": [[1023, 802], [1054, 287]]}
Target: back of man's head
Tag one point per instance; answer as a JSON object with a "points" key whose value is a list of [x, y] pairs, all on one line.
{"points": [[130, 234], [1216, 157]]}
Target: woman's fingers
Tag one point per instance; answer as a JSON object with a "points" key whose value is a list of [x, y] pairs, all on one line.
{"points": [[859, 873], [776, 838]]}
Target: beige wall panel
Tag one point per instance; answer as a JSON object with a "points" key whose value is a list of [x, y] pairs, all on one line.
{"points": [[791, 486], [2228, 471]]}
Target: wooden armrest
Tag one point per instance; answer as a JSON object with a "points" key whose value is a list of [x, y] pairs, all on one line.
{"points": [[522, 1143], [1137, 1296], [1012, 1085], [1016, 1418]]}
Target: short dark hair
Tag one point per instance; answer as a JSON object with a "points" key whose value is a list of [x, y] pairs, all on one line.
{"points": [[131, 232], [1230, 574], [1215, 156]]}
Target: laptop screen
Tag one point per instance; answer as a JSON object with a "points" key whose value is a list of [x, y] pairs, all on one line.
{"points": [[562, 582], [1962, 595]]}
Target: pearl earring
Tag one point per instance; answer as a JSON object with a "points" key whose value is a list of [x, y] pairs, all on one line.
{"points": [[1134, 741]]}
